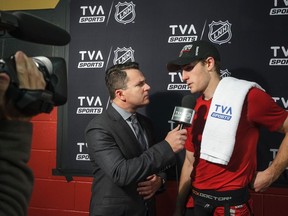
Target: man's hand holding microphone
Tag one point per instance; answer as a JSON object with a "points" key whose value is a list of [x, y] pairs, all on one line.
{"points": [[176, 138], [183, 116]]}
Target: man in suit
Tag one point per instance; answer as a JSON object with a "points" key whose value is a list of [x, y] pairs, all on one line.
{"points": [[127, 172]]}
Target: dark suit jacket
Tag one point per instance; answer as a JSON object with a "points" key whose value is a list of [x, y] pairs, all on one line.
{"points": [[119, 164]]}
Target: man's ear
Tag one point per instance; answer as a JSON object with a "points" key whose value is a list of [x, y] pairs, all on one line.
{"points": [[120, 94], [210, 63]]}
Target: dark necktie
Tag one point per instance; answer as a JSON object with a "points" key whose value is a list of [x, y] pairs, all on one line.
{"points": [[138, 131]]}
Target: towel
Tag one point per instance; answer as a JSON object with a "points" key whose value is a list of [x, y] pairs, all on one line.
{"points": [[219, 133]]}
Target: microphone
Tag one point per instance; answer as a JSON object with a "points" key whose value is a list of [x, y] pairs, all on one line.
{"points": [[184, 114], [30, 28]]}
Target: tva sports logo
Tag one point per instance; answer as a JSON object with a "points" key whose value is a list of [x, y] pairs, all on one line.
{"points": [[182, 33], [220, 32], [282, 101], [222, 112], [89, 105], [280, 7], [280, 56], [92, 14], [176, 82], [125, 12], [82, 154], [90, 59], [122, 55]]}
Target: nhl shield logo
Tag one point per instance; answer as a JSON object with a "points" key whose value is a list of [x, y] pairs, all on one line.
{"points": [[220, 32], [225, 73], [122, 55], [125, 12]]}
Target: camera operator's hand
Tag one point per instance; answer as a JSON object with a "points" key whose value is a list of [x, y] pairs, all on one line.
{"points": [[29, 78]]}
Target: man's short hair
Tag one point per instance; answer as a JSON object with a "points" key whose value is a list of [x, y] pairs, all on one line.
{"points": [[116, 77]]}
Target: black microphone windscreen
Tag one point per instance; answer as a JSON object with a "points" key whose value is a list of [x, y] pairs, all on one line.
{"points": [[189, 101], [34, 29]]}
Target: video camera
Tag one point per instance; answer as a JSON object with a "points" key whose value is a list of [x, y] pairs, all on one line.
{"points": [[22, 26]]}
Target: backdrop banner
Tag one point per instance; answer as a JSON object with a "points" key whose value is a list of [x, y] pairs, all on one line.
{"points": [[251, 37]]}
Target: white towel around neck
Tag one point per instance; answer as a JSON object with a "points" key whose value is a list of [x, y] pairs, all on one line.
{"points": [[219, 133]]}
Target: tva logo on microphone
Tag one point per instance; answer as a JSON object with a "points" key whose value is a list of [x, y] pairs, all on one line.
{"points": [[183, 115]]}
